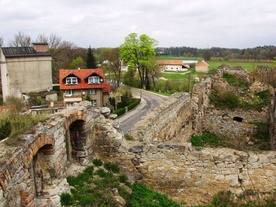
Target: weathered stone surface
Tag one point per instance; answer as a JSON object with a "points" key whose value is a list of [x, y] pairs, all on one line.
{"points": [[161, 154]]}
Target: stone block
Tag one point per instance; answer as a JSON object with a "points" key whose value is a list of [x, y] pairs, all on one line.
{"points": [[81, 154]]}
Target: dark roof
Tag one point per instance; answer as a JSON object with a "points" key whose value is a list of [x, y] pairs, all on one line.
{"points": [[11, 52]]}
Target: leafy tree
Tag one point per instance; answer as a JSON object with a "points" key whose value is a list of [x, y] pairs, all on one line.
{"points": [[112, 63], [130, 79], [274, 60], [20, 40], [154, 71], [206, 54], [90, 60], [77, 63], [137, 51]]}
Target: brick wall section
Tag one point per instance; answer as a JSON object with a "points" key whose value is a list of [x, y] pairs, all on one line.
{"points": [[48, 144]]}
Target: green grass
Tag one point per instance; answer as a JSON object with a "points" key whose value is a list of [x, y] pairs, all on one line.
{"points": [[95, 188], [207, 139], [246, 65]]}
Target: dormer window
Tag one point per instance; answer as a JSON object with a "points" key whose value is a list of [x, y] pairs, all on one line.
{"points": [[71, 81], [93, 80]]}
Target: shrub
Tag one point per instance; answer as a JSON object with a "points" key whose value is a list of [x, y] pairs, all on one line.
{"points": [[97, 162], [66, 199], [222, 199], [196, 141], [128, 137], [111, 167], [89, 170], [5, 127], [123, 179], [265, 96], [86, 200], [119, 111], [226, 99], [134, 103], [206, 139], [144, 197], [101, 173]]}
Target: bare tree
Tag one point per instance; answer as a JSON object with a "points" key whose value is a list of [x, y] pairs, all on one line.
{"points": [[42, 38], [20, 40], [113, 63], [53, 41]]}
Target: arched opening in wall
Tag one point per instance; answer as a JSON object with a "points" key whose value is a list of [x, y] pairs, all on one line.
{"points": [[41, 170], [76, 142], [238, 119]]}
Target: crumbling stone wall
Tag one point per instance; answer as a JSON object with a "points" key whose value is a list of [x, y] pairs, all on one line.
{"points": [[194, 175], [33, 170], [272, 129], [172, 120]]}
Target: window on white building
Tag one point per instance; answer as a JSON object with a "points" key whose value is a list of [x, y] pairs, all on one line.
{"points": [[71, 80], [93, 80]]}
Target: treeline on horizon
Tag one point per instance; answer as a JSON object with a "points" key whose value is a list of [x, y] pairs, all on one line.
{"points": [[257, 53]]}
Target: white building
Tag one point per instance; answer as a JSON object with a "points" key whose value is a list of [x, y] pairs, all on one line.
{"points": [[25, 69]]}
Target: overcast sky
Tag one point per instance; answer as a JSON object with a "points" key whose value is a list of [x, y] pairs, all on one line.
{"points": [[106, 23]]}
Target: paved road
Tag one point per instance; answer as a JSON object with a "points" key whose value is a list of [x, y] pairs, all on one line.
{"points": [[148, 102]]}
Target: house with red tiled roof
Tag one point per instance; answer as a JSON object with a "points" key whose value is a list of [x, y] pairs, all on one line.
{"points": [[202, 67], [171, 65], [84, 84]]}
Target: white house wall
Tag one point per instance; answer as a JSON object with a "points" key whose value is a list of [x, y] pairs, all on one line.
{"points": [[5, 88], [172, 68], [24, 75]]}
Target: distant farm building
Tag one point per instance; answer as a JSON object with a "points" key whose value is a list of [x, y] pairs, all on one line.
{"points": [[171, 65], [202, 67]]}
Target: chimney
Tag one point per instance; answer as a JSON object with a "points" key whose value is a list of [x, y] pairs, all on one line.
{"points": [[40, 47]]}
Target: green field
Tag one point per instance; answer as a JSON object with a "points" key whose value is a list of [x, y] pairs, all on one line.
{"points": [[248, 65]]}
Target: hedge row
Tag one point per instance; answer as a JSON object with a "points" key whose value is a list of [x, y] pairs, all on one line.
{"points": [[133, 104]]}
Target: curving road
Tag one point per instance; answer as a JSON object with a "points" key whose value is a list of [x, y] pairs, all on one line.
{"points": [[149, 101]]}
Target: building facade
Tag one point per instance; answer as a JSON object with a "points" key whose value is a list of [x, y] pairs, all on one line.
{"points": [[171, 65], [202, 67], [84, 84], [25, 69]]}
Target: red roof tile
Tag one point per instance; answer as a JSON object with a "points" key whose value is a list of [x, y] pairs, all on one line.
{"points": [[169, 62], [82, 74]]}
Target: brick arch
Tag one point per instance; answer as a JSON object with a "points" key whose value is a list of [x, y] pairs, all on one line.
{"points": [[74, 116], [42, 142]]}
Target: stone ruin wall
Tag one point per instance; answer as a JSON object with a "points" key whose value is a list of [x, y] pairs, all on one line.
{"points": [[161, 155], [221, 121], [272, 129], [194, 175], [33, 173], [172, 120]]}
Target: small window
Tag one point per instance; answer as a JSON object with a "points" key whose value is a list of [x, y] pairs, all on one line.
{"points": [[69, 92], [71, 80], [94, 102], [92, 91], [69, 104], [93, 80]]}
